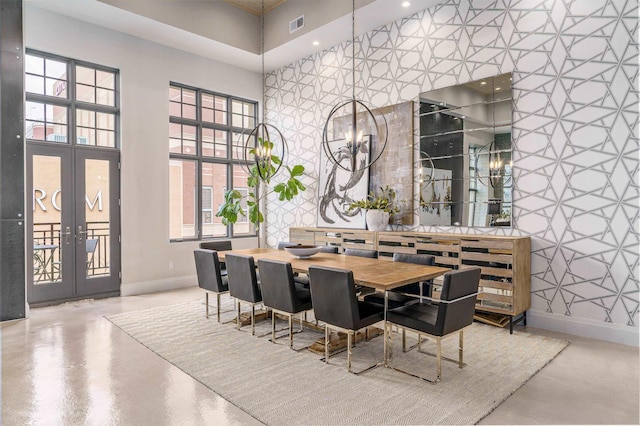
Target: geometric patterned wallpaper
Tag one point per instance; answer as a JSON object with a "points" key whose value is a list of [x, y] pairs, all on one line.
{"points": [[575, 129]]}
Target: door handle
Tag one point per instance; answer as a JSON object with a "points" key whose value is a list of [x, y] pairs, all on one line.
{"points": [[66, 233], [80, 233]]}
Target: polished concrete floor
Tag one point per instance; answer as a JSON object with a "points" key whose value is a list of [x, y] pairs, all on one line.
{"points": [[67, 365]]}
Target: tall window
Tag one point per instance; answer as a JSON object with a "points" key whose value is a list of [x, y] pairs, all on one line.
{"points": [[205, 143], [70, 102]]}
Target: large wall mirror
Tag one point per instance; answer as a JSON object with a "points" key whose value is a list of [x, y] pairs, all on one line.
{"points": [[465, 154]]}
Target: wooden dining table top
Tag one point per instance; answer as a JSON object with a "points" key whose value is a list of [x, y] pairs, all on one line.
{"points": [[376, 273]]}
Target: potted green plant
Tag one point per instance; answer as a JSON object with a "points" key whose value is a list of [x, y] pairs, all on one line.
{"points": [[258, 180], [379, 207]]}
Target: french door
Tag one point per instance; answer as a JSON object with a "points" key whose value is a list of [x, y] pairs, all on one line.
{"points": [[75, 223]]}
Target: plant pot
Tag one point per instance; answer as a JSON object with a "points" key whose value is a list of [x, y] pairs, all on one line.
{"points": [[377, 220]]}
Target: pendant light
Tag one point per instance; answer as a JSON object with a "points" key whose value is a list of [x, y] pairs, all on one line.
{"points": [[265, 147], [362, 127]]}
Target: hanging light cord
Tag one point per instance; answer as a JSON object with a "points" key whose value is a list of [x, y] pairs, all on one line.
{"points": [[353, 47], [264, 79]]}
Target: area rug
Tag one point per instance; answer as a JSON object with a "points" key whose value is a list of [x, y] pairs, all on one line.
{"points": [[278, 386]]}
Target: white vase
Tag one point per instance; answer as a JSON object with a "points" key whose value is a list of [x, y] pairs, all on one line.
{"points": [[377, 220]]}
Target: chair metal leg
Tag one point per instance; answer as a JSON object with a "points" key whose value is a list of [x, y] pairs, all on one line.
{"points": [[253, 319], [273, 327], [290, 331], [461, 349], [238, 315], [439, 360], [326, 344], [349, 351], [404, 340], [218, 306], [387, 342], [206, 304]]}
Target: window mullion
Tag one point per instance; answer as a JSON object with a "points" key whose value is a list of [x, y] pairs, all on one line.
{"points": [[203, 125], [199, 230], [71, 91]]}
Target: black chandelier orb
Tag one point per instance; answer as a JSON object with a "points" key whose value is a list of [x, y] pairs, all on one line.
{"points": [[354, 137], [364, 135], [264, 148]]}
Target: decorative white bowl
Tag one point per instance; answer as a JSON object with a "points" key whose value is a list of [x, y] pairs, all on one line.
{"points": [[302, 251]]}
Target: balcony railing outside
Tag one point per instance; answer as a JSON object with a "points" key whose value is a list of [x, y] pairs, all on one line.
{"points": [[47, 254]]}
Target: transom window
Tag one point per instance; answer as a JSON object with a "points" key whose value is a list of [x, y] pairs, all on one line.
{"points": [[204, 130], [69, 101]]}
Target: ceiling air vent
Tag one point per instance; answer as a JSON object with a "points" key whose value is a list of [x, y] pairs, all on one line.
{"points": [[296, 24]]}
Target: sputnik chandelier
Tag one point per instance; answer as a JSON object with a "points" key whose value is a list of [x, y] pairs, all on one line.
{"points": [[265, 147], [357, 124]]}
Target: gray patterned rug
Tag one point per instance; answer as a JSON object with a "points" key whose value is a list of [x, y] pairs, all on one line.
{"points": [[279, 386]]}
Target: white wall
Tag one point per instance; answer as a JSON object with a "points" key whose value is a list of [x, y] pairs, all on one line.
{"points": [[145, 72]]}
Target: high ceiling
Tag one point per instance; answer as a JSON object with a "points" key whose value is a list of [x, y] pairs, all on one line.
{"points": [[230, 30], [256, 6]]}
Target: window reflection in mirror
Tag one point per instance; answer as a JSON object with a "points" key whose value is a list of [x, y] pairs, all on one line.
{"points": [[465, 154]]}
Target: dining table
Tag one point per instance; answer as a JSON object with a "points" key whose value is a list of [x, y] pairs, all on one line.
{"points": [[380, 274]]}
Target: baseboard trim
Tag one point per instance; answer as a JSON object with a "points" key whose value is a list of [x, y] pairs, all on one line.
{"points": [[134, 289], [608, 332]]}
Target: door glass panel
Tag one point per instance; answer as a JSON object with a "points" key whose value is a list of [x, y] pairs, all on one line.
{"points": [[47, 215], [97, 243]]}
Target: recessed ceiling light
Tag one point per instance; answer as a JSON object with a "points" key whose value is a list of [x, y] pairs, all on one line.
{"points": [[483, 83], [316, 43], [406, 4], [497, 88]]}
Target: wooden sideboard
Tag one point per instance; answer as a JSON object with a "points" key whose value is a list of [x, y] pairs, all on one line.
{"points": [[505, 284]]}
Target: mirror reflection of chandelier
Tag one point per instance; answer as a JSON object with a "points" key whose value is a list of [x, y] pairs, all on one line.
{"points": [[495, 165], [265, 147], [363, 130]]}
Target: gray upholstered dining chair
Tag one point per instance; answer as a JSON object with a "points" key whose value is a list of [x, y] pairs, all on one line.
{"points": [[300, 279], [329, 249], [439, 318], [396, 297], [334, 300], [372, 254], [218, 245], [281, 294], [244, 285], [209, 277]]}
